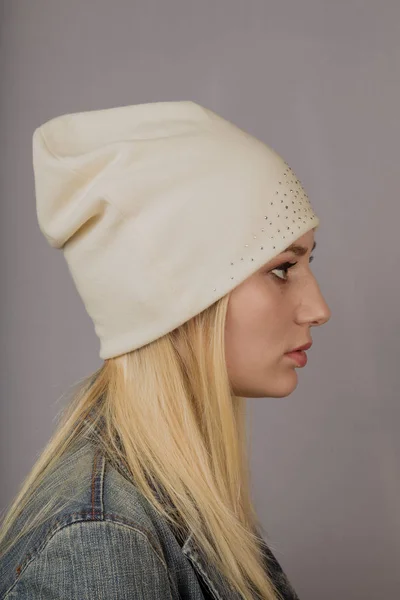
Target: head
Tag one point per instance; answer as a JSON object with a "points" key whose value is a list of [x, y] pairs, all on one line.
{"points": [[269, 314]]}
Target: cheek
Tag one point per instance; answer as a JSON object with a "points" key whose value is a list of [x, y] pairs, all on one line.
{"points": [[254, 325]]}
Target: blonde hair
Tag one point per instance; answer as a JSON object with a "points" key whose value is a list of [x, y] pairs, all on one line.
{"points": [[195, 450]]}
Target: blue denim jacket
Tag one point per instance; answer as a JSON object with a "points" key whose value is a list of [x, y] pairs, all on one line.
{"points": [[110, 544]]}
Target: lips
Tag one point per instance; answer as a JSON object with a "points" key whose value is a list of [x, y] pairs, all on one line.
{"points": [[300, 348], [299, 357]]}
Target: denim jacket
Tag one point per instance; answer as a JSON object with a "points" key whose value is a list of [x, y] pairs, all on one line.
{"points": [[110, 544]]}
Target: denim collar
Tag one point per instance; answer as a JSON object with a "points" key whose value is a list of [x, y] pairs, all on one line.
{"points": [[215, 585]]}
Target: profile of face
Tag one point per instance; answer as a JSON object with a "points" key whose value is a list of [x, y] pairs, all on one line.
{"points": [[270, 314]]}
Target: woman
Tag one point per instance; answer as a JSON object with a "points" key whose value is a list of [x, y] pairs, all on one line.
{"points": [[176, 227]]}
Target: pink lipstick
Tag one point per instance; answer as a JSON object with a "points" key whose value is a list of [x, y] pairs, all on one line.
{"points": [[298, 354]]}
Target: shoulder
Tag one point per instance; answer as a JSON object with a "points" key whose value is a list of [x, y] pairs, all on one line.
{"points": [[100, 559], [103, 529]]}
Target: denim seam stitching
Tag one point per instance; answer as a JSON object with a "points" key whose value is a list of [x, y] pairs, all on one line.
{"points": [[97, 484]]}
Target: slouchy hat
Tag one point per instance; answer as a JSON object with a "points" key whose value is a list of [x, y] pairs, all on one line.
{"points": [[160, 210]]}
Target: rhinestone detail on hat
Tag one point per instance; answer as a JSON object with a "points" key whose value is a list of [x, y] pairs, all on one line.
{"points": [[301, 198]]}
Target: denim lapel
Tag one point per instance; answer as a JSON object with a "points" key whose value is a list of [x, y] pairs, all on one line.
{"points": [[216, 584]]}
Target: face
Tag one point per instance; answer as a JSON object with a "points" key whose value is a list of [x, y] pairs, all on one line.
{"points": [[269, 314]]}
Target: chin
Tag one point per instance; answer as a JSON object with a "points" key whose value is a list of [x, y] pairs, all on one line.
{"points": [[280, 388]]}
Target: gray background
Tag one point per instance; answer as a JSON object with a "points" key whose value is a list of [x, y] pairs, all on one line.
{"points": [[318, 81]]}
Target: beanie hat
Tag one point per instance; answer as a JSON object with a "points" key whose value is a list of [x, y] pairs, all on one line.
{"points": [[160, 209]]}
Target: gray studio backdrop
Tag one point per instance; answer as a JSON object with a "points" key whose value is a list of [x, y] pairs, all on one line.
{"points": [[317, 80]]}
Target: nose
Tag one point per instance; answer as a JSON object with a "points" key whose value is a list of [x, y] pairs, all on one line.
{"points": [[323, 315], [314, 308]]}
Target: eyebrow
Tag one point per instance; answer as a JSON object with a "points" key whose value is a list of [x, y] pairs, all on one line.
{"points": [[299, 250]]}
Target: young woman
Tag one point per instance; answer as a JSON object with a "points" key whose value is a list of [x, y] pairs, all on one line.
{"points": [[189, 241]]}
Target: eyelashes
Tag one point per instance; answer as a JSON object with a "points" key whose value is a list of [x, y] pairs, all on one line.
{"points": [[284, 267]]}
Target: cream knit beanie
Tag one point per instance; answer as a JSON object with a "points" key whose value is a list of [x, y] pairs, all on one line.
{"points": [[160, 209]]}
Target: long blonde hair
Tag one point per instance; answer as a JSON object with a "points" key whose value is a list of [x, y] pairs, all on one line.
{"points": [[195, 450]]}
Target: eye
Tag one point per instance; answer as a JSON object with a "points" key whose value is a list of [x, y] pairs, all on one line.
{"points": [[284, 267]]}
